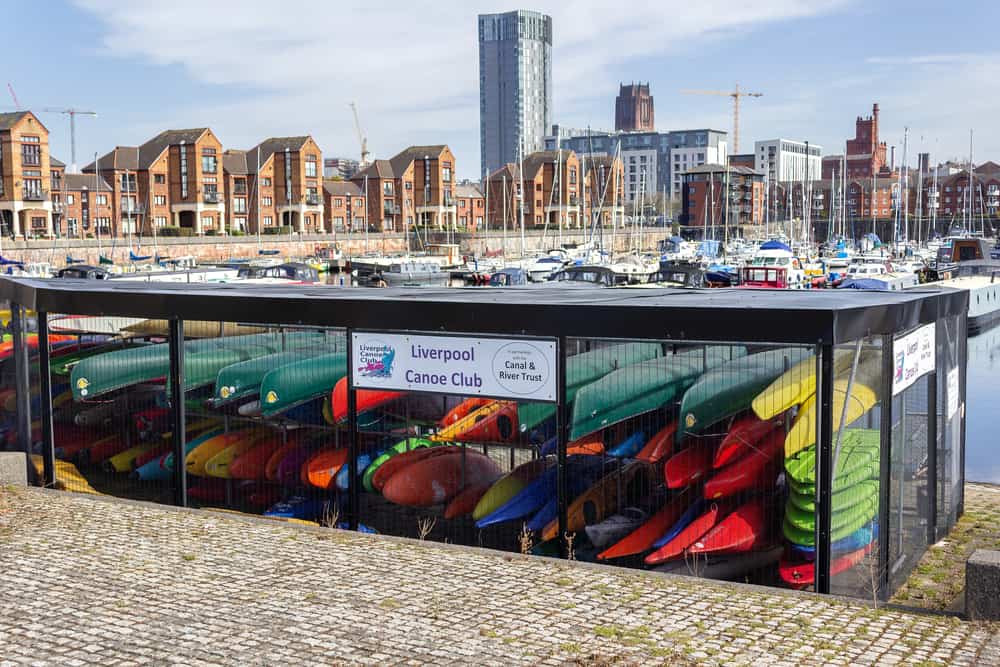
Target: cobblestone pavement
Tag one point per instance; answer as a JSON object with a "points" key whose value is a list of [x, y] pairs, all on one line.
{"points": [[87, 581], [938, 581]]}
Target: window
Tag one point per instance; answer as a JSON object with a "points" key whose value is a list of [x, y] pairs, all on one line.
{"points": [[387, 187], [72, 227], [160, 221], [338, 202], [885, 211], [479, 221], [184, 172], [32, 188], [267, 221], [103, 225], [241, 223], [572, 174], [102, 200], [310, 166], [70, 199], [207, 221], [37, 223], [446, 172], [240, 205], [461, 203], [160, 200], [265, 182], [338, 222], [359, 221], [209, 162], [359, 202], [408, 185], [266, 201], [128, 182], [31, 152], [159, 179]]}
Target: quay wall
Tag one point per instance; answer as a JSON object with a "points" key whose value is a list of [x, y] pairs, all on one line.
{"points": [[212, 248]]}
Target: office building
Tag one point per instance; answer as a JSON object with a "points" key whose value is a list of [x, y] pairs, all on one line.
{"points": [[787, 160]]}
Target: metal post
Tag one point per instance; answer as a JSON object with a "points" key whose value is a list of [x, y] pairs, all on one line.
{"points": [[932, 457], [562, 441], [963, 352], [45, 401], [22, 383], [824, 469], [885, 465], [176, 392], [353, 492]]}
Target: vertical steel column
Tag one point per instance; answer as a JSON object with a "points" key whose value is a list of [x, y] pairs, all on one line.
{"points": [[932, 454], [963, 352], [885, 465], [22, 383], [562, 440], [353, 492], [824, 470], [176, 393], [45, 400]]}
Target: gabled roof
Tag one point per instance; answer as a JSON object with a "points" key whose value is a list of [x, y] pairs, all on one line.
{"points": [[122, 157], [53, 162], [339, 188], [235, 162], [377, 169], [150, 151], [10, 119], [507, 172], [273, 145], [470, 190], [77, 182], [535, 161], [402, 160], [989, 167]]}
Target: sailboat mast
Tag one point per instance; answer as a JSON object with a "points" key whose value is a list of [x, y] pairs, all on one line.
{"points": [[93, 214], [521, 206], [968, 187], [260, 218], [934, 209]]}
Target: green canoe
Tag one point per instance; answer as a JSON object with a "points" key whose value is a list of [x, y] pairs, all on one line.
{"points": [[858, 448], [732, 386], [295, 383], [642, 387], [238, 381], [851, 522], [842, 500], [804, 520], [100, 374], [584, 368]]}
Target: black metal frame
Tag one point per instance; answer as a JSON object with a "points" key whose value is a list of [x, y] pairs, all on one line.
{"points": [[45, 401], [818, 320]]}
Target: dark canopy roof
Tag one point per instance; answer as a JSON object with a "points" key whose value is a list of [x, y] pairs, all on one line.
{"points": [[731, 315]]}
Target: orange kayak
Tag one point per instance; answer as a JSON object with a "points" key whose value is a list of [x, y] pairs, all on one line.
{"points": [[321, 469], [643, 537], [660, 446], [463, 410], [252, 464]]}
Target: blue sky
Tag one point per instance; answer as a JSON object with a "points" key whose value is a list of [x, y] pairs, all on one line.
{"points": [[251, 69]]}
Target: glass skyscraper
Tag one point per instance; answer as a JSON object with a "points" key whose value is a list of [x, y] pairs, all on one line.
{"points": [[515, 85]]}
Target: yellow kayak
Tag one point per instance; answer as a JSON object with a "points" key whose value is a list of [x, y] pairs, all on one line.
{"points": [[206, 451], [125, 461], [864, 396], [797, 384], [218, 465], [68, 478]]}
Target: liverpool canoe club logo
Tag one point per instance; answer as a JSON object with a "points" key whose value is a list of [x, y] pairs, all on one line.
{"points": [[375, 359]]}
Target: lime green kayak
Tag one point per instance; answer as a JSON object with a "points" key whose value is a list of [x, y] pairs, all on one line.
{"points": [[850, 522], [242, 380], [103, 373], [584, 368], [858, 448], [804, 520], [295, 383], [732, 386], [869, 471], [841, 500], [644, 386], [400, 447]]}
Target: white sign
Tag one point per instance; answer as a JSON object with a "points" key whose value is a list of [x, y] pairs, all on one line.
{"points": [[914, 355], [516, 369], [952, 392]]}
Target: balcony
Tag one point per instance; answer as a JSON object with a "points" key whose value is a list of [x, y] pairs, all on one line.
{"points": [[391, 209], [312, 200], [240, 188], [34, 195], [58, 207], [211, 197], [133, 208]]}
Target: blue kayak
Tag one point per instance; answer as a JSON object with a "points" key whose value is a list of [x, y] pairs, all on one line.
{"points": [[690, 514], [343, 478], [579, 482], [859, 539], [629, 447]]}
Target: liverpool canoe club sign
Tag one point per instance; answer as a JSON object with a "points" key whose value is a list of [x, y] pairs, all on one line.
{"points": [[512, 368]]}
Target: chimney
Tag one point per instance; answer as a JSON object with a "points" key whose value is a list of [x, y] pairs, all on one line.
{"points": [[892, 159]]}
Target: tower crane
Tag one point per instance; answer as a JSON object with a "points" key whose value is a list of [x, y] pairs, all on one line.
{"points": [[72, 113], [13, 96], [735, 95], [362, 139]]}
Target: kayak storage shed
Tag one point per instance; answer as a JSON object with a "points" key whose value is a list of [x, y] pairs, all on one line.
{"points": [[807, 439]]}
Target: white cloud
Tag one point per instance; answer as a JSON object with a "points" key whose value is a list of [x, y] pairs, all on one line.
{"points": [[293, 66]]}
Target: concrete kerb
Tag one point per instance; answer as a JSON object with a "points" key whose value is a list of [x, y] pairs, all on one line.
{"points": [[651, 575], [13, 469]]}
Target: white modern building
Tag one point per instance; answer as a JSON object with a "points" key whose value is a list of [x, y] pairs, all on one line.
{"points": [[782, 160]]}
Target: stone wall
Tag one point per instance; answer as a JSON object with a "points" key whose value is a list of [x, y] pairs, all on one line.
{"points": [[213, 249]]}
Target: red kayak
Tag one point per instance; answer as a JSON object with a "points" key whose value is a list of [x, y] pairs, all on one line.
{"points": [[396, 463], [643, 537], [754, 470], [152, 454], [367, 399], [744, 529], [466, 500], [496, 421], [463, 410], [208, 491], [660, 445], [104, 449], [688, 465], [799, 574], [273, 461], [744, 432], [684, 539], [253, 464], [437, 479], [589, 445]]}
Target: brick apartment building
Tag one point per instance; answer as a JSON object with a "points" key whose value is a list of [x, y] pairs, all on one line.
{"points": [[950, 203], [705, 202], [290, 188], [236, 191], [604, 190], [470, 203], [25, 176], [553, 187], [344, 204], [415, 187], [174, 179]]}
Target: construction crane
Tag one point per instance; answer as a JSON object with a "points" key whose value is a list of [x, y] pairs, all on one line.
{"points": [[736, 95], [13, 96], [361, 136], [72, 113]]}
